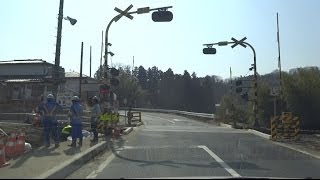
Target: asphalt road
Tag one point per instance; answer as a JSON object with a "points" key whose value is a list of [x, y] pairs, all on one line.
{"points": [[173, 146]]}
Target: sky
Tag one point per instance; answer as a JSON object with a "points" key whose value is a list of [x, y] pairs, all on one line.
{"points": [[28, 30]]}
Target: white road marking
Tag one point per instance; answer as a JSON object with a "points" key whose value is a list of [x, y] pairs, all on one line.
{"points": [[220, 161], [161, 118], [94, 174], [178, 120]]}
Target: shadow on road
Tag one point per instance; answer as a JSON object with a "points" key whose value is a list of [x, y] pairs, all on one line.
{"points": [[171, 163]]}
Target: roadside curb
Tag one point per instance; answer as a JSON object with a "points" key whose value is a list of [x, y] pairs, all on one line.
{"points": [[63, 170], [297, 149], [267, 136], [225, 125], [127, 131], [139, 123], [263, 135]]}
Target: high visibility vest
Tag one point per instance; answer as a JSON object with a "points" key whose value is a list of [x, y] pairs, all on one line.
{"points": [[105, 117], [115, 117], [47, 112], [66, 130]]}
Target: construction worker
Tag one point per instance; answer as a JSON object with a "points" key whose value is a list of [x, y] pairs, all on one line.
{"points": [[75, 113], [65, 132], [50, 123], [95, 114]]}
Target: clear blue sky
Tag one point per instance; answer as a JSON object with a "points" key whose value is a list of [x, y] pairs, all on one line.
{"points": [[28, 31]]}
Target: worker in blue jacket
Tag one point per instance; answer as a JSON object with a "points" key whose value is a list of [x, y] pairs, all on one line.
{"points": [[50, 122], [75, 113]]}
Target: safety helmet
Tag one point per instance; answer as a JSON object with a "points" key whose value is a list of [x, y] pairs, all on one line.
{"points": [[50, 96], [95, 98], [75, 98]]}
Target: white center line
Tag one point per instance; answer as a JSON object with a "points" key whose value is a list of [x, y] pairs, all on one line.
{"points": [[220, 161]]}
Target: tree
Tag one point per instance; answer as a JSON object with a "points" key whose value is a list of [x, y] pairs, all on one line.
{"points": [[142, 77], [302, 92]]}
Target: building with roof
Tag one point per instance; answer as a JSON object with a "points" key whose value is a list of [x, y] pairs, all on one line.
{"points": [[89, 86], [26, 80]]}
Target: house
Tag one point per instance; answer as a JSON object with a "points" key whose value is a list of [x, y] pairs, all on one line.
{"points": [[24, 81], [89, 86]]}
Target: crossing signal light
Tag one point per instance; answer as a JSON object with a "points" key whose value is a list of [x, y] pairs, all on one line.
{"points": [[238, 90], [104, 89], [114, 72], [114, 81], [162, 16], [209, 51], [245, 96], [238, 83]]}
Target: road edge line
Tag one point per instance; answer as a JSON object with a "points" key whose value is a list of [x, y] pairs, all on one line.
{"points": [[258, 133]]}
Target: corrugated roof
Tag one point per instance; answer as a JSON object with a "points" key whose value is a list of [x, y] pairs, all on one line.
{"points": [[24, 61], [23, 80], [74, 75]]}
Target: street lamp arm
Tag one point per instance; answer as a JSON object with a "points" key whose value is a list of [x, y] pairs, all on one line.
{"points": [[154, 9], [106, 40], [254, 52]]}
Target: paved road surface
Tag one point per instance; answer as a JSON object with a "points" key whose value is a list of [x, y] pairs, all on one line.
{"points": [[173, 146]]}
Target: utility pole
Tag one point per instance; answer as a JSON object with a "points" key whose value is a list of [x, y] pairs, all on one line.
{"points": [[55, 73], [231, 95], [101, 70], [279, 64], [90, 61], [132, 64], [80, 78]]}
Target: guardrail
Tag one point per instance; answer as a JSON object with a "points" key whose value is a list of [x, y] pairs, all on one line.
{"points": [[186, 113]]}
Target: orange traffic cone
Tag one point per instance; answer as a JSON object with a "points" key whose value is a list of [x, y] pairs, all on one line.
{"points": [[10, 148], [3, 162], [21, 142]]}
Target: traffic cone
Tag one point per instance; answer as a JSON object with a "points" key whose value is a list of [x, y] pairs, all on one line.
{"points": [[20, 145], [10, 148], [3, 162]]}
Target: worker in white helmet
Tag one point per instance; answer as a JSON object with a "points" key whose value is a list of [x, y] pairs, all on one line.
{"points": [[75, 113], [95, 114], [50, 122]]}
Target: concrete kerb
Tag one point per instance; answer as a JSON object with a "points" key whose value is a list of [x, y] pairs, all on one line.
{"points": [[225, 125], [67, 167], [128, 130], [258, 133]]}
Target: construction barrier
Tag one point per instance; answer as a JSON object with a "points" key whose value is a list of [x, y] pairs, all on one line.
{"points": [[135, 116], [106, 121], [10, 148], [274, 128], [3, 162], [285, 127], [20, 145]]}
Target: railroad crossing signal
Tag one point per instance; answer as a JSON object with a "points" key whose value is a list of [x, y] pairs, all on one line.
{"points": [[162, 16], [238, 42], [123, 13]]}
